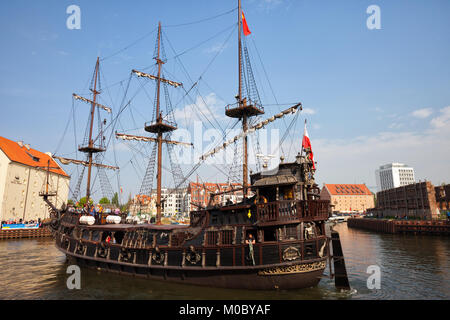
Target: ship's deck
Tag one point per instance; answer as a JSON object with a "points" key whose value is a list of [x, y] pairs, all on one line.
{"points": [[117, 227]]}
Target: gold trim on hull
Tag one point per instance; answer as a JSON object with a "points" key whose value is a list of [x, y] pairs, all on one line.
{"points": [[298, 268]]}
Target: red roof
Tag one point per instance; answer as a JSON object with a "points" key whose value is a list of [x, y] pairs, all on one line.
{"points": [[348, 189], [28, 156]]}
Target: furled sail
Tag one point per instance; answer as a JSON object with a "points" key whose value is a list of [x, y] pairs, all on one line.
{"points": [[252, 129], [107, 109], [67, 161]]}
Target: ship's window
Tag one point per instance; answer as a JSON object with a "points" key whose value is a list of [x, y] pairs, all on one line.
{"points": [[95, 235], [291, 233], [211, 238], [227, 236], [118, 236], [105, 235], [270, 234], [310, 250], [85, 234]]}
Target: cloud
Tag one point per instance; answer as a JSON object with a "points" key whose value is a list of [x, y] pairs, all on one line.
{"points": [[355, 159], [216, 48], [396, 125], [308, 111], [422, 113], [209, 106], [443, 120]]}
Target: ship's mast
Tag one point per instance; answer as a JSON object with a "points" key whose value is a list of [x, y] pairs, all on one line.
{"points": [[245, 108], [159, 121], [91, 142], [239, 51], [159, 126], [91, 148], [244, 118]]}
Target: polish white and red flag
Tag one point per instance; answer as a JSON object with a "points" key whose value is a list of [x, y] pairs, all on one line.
{"points": [[306, 143]]}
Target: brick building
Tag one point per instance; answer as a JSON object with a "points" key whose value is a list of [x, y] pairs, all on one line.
{"points": [[200, 193], [416, 200], [348, 198], [443, 197]]}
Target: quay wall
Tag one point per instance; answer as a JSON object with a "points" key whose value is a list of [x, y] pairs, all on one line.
{"points": [[395, 226], [24, 233]]}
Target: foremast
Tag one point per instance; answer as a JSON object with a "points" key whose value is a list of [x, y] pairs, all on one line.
{"points": [[90, 147]]}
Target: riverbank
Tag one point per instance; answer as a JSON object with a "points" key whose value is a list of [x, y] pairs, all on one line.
{"points": [[433, 227], [25, 233], [412, 267]]}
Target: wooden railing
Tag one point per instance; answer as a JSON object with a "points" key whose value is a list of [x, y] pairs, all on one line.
{"points": [[287, 210]]}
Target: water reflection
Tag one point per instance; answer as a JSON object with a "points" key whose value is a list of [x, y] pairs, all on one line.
{"points": [[412, 267]]}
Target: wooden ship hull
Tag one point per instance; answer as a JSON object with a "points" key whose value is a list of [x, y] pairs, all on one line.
{"points": [[203, 253], [275, 238]]}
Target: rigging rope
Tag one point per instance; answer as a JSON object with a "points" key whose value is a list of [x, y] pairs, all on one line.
{"points": [[202, 20], [130, 45]]}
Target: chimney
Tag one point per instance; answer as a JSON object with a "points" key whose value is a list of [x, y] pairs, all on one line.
{"points": [[27, 146], [20, 143]]}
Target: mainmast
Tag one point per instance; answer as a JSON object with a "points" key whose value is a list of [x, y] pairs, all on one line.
{"points": [[245, 107], [159, 126], [159, 122]]}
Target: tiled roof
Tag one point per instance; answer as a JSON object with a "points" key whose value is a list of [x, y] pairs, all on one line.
{"points": [[29, 156], [348, 189]]}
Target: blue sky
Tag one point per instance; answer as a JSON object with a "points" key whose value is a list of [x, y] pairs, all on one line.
{"points": [[373, 96]]}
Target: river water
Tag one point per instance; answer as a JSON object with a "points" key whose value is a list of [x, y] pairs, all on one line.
{"points": [[412, 267]]}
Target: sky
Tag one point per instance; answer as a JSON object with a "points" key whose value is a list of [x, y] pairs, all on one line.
{"points": [[370, 96]]}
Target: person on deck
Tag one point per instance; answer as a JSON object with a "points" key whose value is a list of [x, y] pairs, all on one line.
{"points": [[250, 241]]}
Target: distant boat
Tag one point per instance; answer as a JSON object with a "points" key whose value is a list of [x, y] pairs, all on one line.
{"points": [[337, 219], [20, 226]]}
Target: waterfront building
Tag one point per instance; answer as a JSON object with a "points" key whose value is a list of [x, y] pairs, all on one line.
{"points": [[23, 175], [143, 203], [200, 194], [416, 200], [176, 203], [443, 197], [394, 175], [346, 198]]}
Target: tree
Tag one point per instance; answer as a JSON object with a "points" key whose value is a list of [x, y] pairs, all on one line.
{"points": [[82, 202], [115, 199], [70, 202], [104, 200]]}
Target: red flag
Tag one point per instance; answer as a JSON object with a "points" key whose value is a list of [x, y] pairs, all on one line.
{"points": [[306, 143], [245, 25]]}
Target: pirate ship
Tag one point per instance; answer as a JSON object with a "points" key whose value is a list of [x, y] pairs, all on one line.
{"points": [[275, 238]]}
